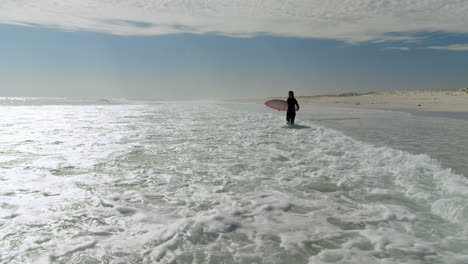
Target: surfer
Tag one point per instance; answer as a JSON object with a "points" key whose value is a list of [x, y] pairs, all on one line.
{"points": [[291, 113]]}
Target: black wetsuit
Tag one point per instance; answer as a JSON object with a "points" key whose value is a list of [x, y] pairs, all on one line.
{"points": [[291, 114]]}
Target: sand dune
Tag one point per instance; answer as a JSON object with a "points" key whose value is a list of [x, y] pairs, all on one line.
{"points": [[455, 100]]}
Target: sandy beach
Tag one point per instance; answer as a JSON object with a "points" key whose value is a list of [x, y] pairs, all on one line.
{"points": [[455, 100]]}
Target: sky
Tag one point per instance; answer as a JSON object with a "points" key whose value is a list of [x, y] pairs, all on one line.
{"points": [[207, 49]]}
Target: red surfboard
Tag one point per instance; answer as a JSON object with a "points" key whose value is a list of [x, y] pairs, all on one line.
{"points": [[280, 105]]}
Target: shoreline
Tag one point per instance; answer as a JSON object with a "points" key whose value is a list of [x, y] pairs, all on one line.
{"points": [[455, 100]]}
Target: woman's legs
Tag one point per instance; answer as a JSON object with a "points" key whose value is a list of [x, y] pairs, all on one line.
{"points": [[290, 116]]}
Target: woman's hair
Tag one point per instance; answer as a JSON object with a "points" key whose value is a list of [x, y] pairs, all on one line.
{"points": [[291, 93]]}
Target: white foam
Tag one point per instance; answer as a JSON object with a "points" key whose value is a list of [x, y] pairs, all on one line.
{"points": [[212, 183]]}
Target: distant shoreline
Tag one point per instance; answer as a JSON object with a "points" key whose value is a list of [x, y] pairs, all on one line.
{"points": [[454, 100]]}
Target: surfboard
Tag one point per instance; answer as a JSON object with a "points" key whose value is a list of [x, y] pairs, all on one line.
{"points": [[280, 105]]}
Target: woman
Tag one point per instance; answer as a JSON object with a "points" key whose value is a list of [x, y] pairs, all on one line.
{"points": [[292, 102]]}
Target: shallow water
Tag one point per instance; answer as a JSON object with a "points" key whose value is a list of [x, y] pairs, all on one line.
{"points": [[440, 135], [213, 184]]}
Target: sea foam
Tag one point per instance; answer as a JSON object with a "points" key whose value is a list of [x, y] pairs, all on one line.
{"points": [[198, 182]]}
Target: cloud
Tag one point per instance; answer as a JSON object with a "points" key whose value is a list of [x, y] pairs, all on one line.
{"points": [[397, 48], [352, 21], [454, 47]]}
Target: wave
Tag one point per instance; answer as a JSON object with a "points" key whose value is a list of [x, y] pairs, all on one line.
{"points": [[33, 101]]}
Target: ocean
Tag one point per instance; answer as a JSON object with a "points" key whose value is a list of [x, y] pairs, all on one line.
{"points": [[118, 181]]}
